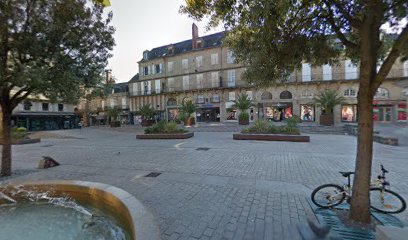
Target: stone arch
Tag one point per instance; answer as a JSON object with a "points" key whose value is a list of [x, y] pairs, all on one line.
{"points": [[266, 95], [171, 102], [285, 95]]}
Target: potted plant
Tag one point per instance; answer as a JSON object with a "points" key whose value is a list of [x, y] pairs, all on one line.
{"points": [[187, 108], [147, 114], [113, 113], [327, 100], [243, 103]]}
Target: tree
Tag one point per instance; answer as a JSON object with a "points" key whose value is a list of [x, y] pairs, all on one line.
{"points": [[49, 47], [273, 37]]}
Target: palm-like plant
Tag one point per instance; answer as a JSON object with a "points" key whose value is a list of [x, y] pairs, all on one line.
{"points": [[327, 100], [243, 103], [146, 112], [113, 113], [187, 108]]}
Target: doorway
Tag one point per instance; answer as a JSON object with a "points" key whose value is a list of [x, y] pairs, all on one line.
{"points": [[384, 114]]}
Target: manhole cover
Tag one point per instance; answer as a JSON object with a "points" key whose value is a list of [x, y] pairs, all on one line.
{"points": [[153, 174], [47, 145], [202, 149]]}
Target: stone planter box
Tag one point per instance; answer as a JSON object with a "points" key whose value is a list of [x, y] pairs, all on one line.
{"points": [[165, 136], [326, 119], [271, 137], [147, 123], [189, 122], [23, 141]]}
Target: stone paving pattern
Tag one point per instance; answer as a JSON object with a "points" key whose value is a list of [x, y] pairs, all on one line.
{"points": [[235, 190]]}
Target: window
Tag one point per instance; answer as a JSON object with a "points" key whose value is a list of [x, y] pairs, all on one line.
{"points": [[184, 64], [327, 72], [214, 79], [186, 82], [135, 89], [285, 95], [350, 70], [170, 66], [159, 68], [151, 69], [60, 107], [405, 67], [146, 71], [123, 103], [231, 96], [230, 57], [215, 98], [199, 61], [214, 58], [27, 105], [231, 78], [145, 55], [307, 94], [112, 103], [250, 95], [200, 99], [103, 104], [349, 93], [200, 83], [172, 102], [382, 93], [306, 72], [307, 112], [157, 86], [266, 96], [171, 84], [147, 87], [45, 106], [349, 113]]}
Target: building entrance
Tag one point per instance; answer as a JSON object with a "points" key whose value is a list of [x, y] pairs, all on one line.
{"points": [[208, 115]]}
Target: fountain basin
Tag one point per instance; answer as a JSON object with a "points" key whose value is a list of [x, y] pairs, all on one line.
{"points": [[129, 213]]}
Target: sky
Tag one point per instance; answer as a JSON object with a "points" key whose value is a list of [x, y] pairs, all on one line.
{"points": [[143, 25]]}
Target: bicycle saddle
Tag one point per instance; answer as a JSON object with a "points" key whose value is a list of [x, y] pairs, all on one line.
{"points": [[346, 174]]}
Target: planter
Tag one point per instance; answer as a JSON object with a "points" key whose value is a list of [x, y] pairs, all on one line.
{"points": [[147, 123], [189, 121], [114, 124], [326, 119], [165, 136], [271, 137], [22, 141], [243, 121]]}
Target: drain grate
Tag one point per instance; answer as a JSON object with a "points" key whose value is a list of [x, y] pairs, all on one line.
{"points": [[153, 174], [202, 149]]}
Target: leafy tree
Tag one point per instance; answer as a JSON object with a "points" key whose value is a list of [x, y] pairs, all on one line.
{"points": [[328, 99], [49, 47], [273, 37]]}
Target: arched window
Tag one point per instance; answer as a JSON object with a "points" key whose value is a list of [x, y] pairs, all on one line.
{"points": [[382, 93], [350, 93], [285, 95], [171, 102], [266, 95]]}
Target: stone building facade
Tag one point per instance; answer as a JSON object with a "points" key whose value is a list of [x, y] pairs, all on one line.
{"points": [[203, 69]]}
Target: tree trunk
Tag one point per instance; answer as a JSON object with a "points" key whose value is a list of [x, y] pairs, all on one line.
{"points": [[360, 202], [6, 148]]}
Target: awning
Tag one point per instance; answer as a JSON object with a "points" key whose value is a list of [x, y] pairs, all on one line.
{"points": [[44, 114]]}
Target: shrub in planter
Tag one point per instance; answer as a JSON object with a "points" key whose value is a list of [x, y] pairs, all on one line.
{"points": [[243, 118], [164, 127], [327, 100], [187, 108], [265, 127], [147, 114], [243, 103], [19, 133], [113, 113]]}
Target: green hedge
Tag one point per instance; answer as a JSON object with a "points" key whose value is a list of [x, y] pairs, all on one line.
{"points": [[164, 127], [265, 127]]}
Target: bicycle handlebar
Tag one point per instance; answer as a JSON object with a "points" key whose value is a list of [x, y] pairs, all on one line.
{"points": [[383, 169]]}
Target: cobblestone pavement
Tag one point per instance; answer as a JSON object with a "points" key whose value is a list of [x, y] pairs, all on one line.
{"points": [[234, 190]]}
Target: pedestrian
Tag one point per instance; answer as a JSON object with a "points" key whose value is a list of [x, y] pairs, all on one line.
{"points": [[80, 125]]}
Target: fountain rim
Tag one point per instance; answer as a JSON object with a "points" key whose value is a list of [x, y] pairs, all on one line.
{"points": [[143, 222]]}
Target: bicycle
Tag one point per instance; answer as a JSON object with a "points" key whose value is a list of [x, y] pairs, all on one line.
{"points": [[382, 199]]}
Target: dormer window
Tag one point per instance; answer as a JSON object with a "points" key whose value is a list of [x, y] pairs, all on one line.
{"points": [[199, 43], [145, 55], [170, 50]]}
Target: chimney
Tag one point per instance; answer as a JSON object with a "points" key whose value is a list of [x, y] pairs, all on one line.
{"points": [[195, 36]]}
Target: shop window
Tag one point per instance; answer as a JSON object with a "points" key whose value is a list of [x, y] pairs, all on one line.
{"points": [[307, 112], [231, 114], [285, 95], [350, 93], [215, 98], [382, 93], [27, 105], [45, 106], [200, 99], [349, 113], [60, 107], [402, 112], [266, 96]]}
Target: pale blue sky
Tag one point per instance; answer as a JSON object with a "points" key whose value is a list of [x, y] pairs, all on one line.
{"points": [[143, 25]]}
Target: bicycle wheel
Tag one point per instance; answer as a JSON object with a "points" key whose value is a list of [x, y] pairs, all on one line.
{"points": [[386, 201], [328, 195]]}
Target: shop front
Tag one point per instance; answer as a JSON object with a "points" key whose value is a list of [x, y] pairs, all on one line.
{"points": [[278, 111], [40, 121], [208, 112]]}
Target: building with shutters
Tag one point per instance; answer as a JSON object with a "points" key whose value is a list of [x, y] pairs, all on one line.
{"points": [[203, 70]]}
